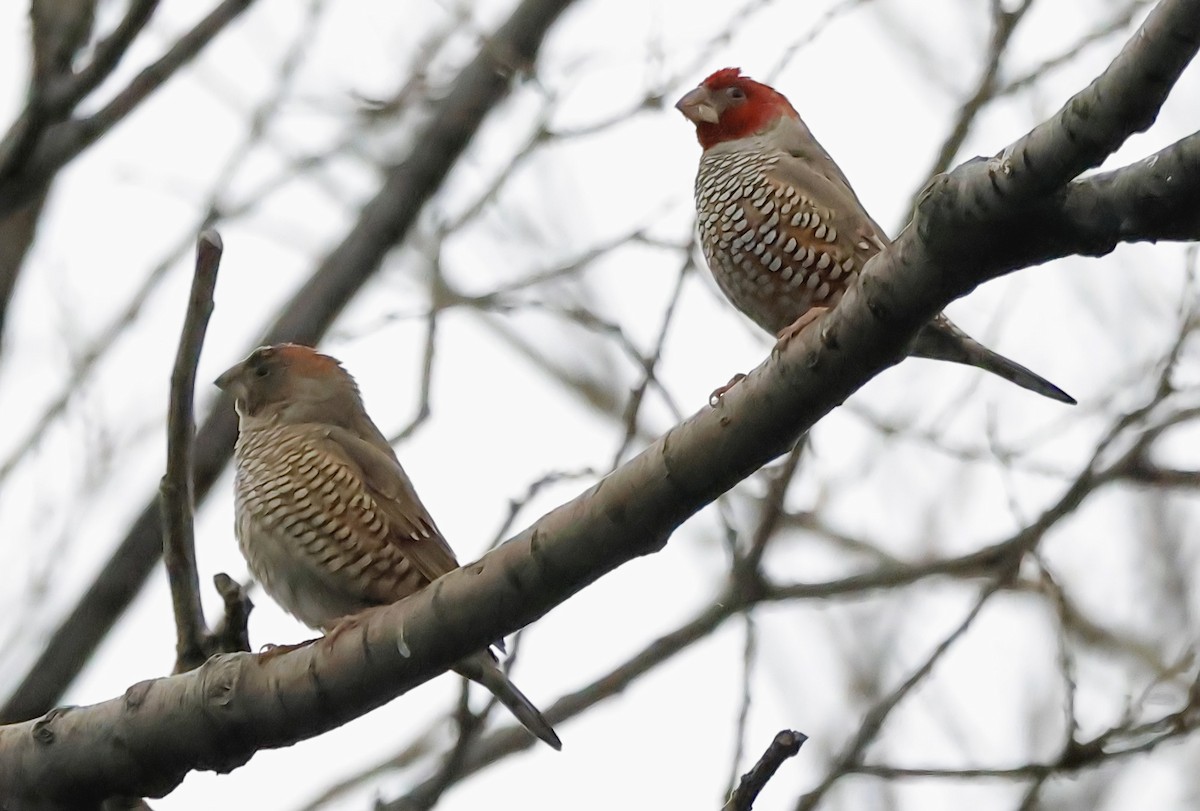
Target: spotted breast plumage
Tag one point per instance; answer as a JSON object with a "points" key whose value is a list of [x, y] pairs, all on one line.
{"points": [[778, 251], [782, 230]]}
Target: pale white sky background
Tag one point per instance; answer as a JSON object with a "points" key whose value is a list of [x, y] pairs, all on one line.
{"points": [[879, 87]]}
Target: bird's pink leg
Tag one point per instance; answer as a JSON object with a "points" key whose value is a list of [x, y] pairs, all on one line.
{"points": [[269, 651], [796, 327], [344, 624], [786, 334]]}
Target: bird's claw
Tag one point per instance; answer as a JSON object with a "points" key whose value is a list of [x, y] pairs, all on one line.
{"points": [[714, 399], [796, 327], [1000, 164], [344, 625], [269, 651]]}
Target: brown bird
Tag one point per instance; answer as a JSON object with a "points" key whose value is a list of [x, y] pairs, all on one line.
{"points": [[783, 232], [326, 516]]}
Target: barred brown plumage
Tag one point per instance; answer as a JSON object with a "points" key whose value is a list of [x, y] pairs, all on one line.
{"points": [[326, 517], [783, 231], [294, 500]]}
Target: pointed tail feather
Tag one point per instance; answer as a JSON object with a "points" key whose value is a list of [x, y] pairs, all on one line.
{"points": [[482, 668], [942, 340]]}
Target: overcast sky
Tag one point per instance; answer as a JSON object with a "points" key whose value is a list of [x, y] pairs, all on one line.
{"points": [[879, 83]]}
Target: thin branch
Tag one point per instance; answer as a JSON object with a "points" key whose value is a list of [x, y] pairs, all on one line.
{"points": [[231, 633], [46, 104], [1004, 25], [383, 222], [650, 364], [510, 740], [410, 755], [1120, 21], [175, 490], [470, 725], [425, 390], [872, 723], [107, 54], [1114, 744], [212, 211], [997, 562], [62, 142], [786, 744], [1094, 123], [749, 658], [771, 513], [820, 24]]}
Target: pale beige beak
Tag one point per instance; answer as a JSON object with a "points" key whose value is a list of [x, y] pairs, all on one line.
{"points": [[696, 105], [232, 381], [227, 377]]}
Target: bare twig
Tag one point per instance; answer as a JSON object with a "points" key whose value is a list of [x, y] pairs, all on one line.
{"points": [[57, 38], [997, 562], [175, 490], [786, 744], [650, 364], [212, 209], [771, 513], [50, 151], [1004, 25], [1120, 21], [383, 222], [852, 755], [231, 633], [105, 58], [421, 746], [749, 658], [512, 739], [1117, 743], [470, 725]]}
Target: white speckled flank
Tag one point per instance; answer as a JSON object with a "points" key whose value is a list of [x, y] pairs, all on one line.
{"points": [[773, 250]]}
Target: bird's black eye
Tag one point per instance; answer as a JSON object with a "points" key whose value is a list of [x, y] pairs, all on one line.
{"points": [[262, 371], [736, 93]]}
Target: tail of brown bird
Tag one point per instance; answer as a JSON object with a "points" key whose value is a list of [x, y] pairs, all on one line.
{"points": [[482, 669], [942, 340]]}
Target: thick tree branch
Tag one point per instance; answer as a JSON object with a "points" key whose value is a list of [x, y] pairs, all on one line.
{"points": [[1095, 122], [630, 513], [217, 716], [236, 704], [894, 314], [134, 746], [512, 739], [994, 561], [1004, 25], [1010, 207], [383, 222], [1154, 199]]}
